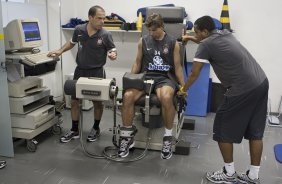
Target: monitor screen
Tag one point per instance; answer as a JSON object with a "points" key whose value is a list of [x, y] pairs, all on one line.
{"points": [[31, 31]]}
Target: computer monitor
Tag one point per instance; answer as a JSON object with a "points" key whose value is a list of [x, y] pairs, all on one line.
{"points": [[22, 35]]}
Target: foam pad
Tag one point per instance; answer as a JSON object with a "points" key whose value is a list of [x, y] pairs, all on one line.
{"points": [[69, 87], [278, 152], [135, 81], [169, 14]]}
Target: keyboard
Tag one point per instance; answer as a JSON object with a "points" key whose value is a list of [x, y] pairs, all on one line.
{"points": [[39, 58]]}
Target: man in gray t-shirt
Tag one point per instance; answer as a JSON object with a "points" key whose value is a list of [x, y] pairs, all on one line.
{"points": [[243, 111], [94, 46]]}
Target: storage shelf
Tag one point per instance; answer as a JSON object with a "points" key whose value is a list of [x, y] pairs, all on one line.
{"points": [[111, 30]]}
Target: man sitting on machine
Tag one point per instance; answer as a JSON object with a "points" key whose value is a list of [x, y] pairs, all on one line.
{"points": [[157, 56]]}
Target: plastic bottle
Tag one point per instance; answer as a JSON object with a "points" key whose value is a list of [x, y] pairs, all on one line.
{"points": [[139, 22]]}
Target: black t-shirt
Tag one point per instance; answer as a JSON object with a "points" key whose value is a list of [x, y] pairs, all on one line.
{"points": [[158, 54], [92, 51]]}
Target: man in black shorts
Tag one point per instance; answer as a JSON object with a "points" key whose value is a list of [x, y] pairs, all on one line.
{"points": [[157, 54], [94, 45], [243, 111]]}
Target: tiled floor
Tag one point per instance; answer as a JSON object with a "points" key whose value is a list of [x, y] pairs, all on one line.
{"points": [[57, 163]]}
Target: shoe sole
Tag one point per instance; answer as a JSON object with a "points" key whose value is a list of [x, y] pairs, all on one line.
{"points": [[2, 166], [226, 182], [166, 158], [92, 140], [65, 141], [131, 146], [242, 182]]}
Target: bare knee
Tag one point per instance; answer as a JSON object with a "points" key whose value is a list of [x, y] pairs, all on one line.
{"points": [[74, 103], [98, 105], [166, 100], [129, 97]]}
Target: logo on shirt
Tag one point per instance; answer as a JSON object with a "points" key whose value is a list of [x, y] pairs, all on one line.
{"points": [[158, 64], [165, 49], [99, 41]]}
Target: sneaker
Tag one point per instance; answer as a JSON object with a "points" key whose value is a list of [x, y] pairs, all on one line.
{"points": [[244, 178], [167, 147], [125, 144], [2, 164], [93, 135], [221, 176], [69, 136]]}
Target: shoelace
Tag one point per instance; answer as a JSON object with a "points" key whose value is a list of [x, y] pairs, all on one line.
{"points": [[68, 134], [92, 132], [247, 178], [166, 146], [124, 144], [218, 175]]}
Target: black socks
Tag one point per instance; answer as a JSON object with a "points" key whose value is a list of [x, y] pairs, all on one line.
{"points": [[74, 126], [96, 124]]}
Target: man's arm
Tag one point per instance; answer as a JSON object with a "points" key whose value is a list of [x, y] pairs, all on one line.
{"points": [[177, 64], [111, 48], [67, 46], [186, 38], [194, 74], [138, 62]]}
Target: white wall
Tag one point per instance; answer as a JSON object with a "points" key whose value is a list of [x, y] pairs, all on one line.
{"points": [[256, 24], [54, 35], [38, 9]]}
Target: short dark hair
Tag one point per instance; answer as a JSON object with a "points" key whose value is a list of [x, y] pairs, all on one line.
{"points": [[154, 20], [92, 11], [205, 22]]}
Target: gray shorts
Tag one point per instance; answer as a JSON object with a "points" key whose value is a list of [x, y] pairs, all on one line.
{"points": [[242, 116]]}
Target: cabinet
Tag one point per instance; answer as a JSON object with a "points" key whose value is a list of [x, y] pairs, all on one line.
{"points": [[31, 113]]}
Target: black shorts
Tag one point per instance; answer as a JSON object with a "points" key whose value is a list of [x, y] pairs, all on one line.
{"points": [[95, 72], [160, 81], [242, 116]]}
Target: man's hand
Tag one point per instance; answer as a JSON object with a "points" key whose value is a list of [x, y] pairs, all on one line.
{"points": [[112, 54], [54, 53], [182, 92]]}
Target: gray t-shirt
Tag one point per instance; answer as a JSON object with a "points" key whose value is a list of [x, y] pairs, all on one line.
{"points": [[92, 51], [234, 66]]}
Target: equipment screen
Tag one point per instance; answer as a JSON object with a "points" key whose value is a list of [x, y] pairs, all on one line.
{"points": [[31, 31]]}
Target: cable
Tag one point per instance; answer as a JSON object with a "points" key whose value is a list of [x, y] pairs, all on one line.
{"points": [[116, 158], [86, 152], [106, 152]]}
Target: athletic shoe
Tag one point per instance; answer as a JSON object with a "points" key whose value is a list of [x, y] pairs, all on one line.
{"points": [[244, 178], [2, 164], [69, 136], [93, 135], [221, 176], [167, 147], [124, 145]]}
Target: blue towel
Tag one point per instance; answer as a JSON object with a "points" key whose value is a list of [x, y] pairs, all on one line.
{"points": [[278, 152]]}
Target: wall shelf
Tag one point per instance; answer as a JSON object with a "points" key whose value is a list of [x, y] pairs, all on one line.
{"points": [[111, 30], [120, 32]]}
